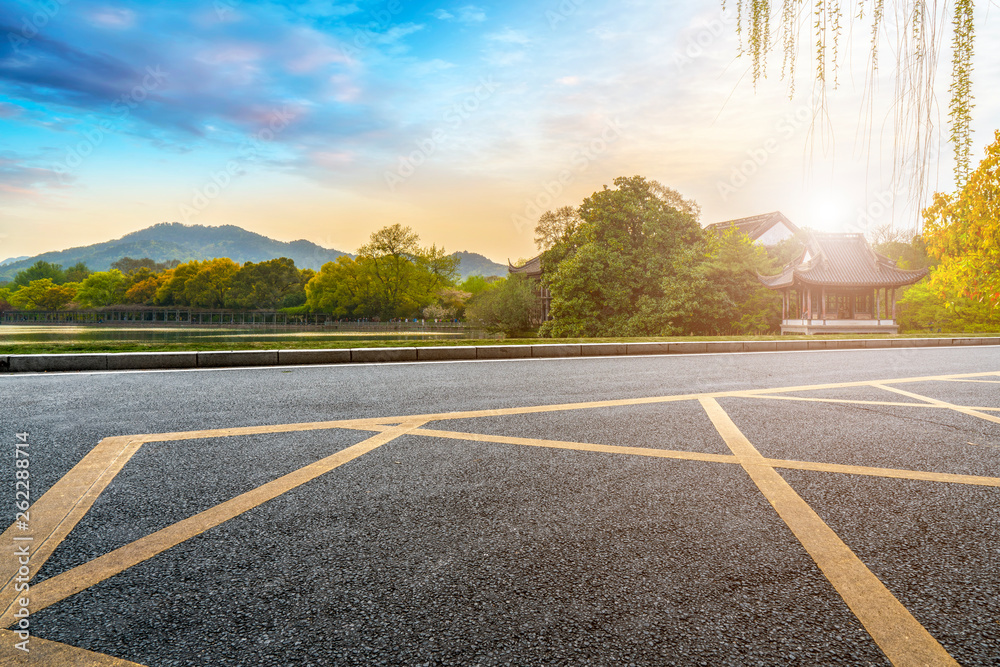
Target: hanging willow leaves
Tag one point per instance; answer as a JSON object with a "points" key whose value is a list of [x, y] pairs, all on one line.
{"points": [[918, 42]]}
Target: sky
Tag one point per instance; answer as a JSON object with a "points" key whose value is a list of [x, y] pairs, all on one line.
{"points": [[329, 120]]}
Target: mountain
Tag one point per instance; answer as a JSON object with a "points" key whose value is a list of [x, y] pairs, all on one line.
{"points": [[172, 240], [474, 264]]}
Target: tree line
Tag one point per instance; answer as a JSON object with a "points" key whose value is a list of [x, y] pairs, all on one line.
{"points": [[392, 277]]}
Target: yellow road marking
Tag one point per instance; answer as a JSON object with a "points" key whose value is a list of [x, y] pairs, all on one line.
{"points": [[810, 399], [963, 380], [54, 515], [84, 576], [44, 652], [957, 408], [900, 636], [578, 446], [891, 473]]}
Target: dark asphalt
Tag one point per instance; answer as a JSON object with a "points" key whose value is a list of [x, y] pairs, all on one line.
{"points": [[447, 552]]}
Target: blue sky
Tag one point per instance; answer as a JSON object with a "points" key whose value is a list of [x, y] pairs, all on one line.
{"points": [[328, 120]]}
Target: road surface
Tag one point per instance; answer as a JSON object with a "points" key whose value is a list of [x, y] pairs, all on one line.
{"points": [[837, 507]]}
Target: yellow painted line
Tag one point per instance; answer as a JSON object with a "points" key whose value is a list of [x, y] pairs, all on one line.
{"points": [[810, 399], [891, 473], [900, 636], [961, 380], [53, 516], [577, 446], [45, 653], [84, 576], [358, 424], [957, 408]]}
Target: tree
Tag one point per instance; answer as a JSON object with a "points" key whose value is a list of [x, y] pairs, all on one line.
{"points": [[172, 289], [128, 265], [918, 43], [104, 288], [344, 288], [209, 287], [505, 307], [615, 274], [143, 291], [391, 253], [963, 232], [42, 294], [40, 270], [553, 226], [77, 273], [266, 284]]}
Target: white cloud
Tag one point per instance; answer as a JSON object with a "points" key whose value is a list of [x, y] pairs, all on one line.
{"points": [[442, 14], [471, 14], [508, 36]]}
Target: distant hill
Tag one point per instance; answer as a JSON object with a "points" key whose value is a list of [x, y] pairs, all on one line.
{"points": [[474, 264], [172, 240]]}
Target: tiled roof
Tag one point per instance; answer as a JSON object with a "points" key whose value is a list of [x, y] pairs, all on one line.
{"points": [[755, 226], [533, 267], [842, 260]]}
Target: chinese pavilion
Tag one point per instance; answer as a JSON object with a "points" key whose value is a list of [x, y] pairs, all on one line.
{"points": [[840, 285]]}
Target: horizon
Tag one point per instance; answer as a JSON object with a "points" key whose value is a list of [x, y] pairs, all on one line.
{"points": [[327, 121]]}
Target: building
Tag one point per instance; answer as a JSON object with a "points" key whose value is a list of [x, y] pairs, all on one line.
{"points": [[840, 285], [767, 229], [532, 270]]}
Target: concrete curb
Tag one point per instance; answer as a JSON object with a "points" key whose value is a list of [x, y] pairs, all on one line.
{"points": [[40, 363]]}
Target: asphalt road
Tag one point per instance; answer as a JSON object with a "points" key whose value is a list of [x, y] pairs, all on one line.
{"points": [[691, 534]]}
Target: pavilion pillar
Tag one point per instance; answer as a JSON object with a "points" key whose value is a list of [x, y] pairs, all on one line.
{"points": [[809, 302], [823, 302]]}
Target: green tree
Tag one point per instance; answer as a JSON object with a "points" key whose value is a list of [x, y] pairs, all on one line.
{"points": [[390, 256], [268, 285], [77, 273], [104, 288], [173, 286], [617, 273], [963, 232], [42, 294], [344, 288], [507, 306], [553, 226], [209, 287], [40, 270]]}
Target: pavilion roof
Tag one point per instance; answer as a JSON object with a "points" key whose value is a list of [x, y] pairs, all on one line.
{"points": [[533, 267], [842, 260], [754, 226]]}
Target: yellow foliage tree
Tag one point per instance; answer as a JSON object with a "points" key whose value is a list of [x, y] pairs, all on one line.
{"points": [[963, 231]]}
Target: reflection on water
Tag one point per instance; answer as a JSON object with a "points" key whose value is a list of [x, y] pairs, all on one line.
{"points": [[16, 334]]}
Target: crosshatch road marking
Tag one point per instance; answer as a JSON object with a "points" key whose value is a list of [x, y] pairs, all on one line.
{"points": [[900, 636], [44, 652], [58, 511], [84, 576]]}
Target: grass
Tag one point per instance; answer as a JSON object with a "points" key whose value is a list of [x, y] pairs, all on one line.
{"points": [[70, 347]]}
